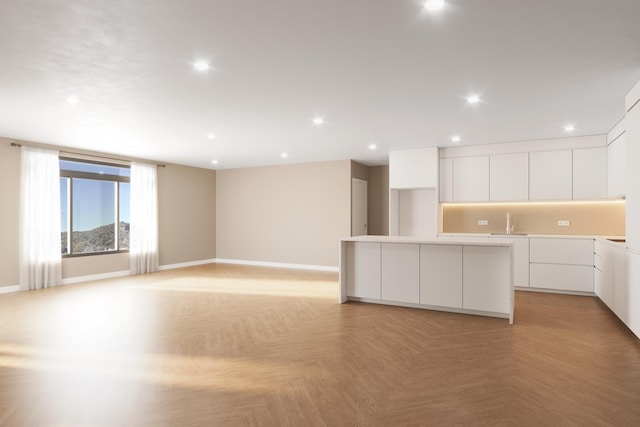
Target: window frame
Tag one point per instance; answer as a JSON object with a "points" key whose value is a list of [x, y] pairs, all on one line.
{"points": [[69, 174]]}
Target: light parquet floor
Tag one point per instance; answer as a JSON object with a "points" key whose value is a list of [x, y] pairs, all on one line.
{"points": [[223, 345]]}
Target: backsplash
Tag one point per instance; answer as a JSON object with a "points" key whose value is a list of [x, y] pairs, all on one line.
{"points": [[589, 218]]}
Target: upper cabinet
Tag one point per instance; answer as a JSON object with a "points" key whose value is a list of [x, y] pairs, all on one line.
{"points": [[446, 180], [550, 175], [582, 168], [471, 179], [590, 173], [617, 167], [413, 168], [509, 177]]}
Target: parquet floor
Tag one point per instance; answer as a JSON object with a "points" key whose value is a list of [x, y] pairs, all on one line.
{"points": [[223, 345]]}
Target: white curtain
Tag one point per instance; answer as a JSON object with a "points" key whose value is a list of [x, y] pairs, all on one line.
{"points": [[143, 243], [40, 244]]}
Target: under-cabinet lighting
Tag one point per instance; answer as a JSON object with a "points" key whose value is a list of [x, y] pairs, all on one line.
{"points": [[572, 202]]}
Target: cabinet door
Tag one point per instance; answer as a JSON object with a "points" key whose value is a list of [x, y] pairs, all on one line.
{"points": [[616, 166], [632, 188], [606, 284], [509, 177], [363, 270], [486, 278], [633, 292], [441, 275], [520, 260], [413, 168], [590, 173], [446, 180], [620, 283], [562, 277], [471, 179], [401, 272], [562, 251], [550, 175]]}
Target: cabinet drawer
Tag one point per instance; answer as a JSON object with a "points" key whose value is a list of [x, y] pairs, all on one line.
{"points": [[561, 251], [597, 262], [562, 277]]}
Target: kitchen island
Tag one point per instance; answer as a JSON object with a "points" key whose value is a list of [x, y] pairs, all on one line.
{"points": [[456, 275]]}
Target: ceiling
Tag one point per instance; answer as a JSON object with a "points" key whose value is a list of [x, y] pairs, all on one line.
{"points": [[379, 72]]}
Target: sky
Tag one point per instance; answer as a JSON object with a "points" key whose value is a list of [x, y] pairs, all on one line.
{"points": [[93, 200]]}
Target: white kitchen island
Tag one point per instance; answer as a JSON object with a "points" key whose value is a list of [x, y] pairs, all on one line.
{"points": [[456, 275]]}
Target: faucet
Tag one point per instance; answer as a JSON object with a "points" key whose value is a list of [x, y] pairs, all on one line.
{"points": [[509, 225]]}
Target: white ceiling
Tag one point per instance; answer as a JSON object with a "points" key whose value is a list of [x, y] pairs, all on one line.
{"points": [[378, 71]]}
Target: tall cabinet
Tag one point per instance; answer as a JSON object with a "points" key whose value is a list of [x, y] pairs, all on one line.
{"points": [[632, 140], [413, 192]]}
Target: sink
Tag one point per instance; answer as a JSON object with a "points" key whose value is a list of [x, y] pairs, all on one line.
{"points": [[510, 234]]}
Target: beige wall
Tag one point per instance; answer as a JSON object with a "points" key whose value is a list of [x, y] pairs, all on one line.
{"points": [[287, 214], [378, 200], [603, 219], [186, 214], [10, 196], [359, 171]]}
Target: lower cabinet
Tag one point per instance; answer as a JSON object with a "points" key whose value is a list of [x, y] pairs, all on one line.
{"points": [[520, 259], [562, 277], [565, 264], [483, 286], [619, 281], [363, 270], [441, 275], [401, 272]]}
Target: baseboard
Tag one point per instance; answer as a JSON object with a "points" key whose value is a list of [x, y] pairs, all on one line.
{"points": [[556, 291], [186, 264], [93, 277], [9, 289], [277, 265]]}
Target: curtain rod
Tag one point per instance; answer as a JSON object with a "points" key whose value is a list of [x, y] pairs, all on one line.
{"points": [[15, 144]]}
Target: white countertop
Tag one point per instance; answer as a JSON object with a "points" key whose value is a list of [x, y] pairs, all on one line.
{"points": [[543, 236], [457, 240]]}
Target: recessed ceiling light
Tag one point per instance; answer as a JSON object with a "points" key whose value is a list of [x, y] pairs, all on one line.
{"points": [[434, 5], [372, 146], [456, 139], [215, 162], [73, 99], [211, 135], [284, 155], [569, 128], [201, 66], [318, 121], [473, 99]]}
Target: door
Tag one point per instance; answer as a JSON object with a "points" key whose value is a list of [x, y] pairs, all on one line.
{"points": [[358, 207]]}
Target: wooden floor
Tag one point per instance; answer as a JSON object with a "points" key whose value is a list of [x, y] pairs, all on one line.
{"points": [[222, 345]]}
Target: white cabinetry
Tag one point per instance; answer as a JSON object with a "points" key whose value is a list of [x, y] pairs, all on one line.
{"points": [[441, 275], [561, 264], [483, 287], [446, 180], [520, 260], [413, 168], [363, 269], [590, 173], [619, 280], [603, 272], [401, 272], [509, 177], [616, 167], [550, 175], [471, 179], [632, 133]]}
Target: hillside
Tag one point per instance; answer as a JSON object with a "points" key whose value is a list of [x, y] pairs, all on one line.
{"points": [[99, 239]]}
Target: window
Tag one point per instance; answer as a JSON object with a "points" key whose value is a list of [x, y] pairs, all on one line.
{"points": [[94, 197]]}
